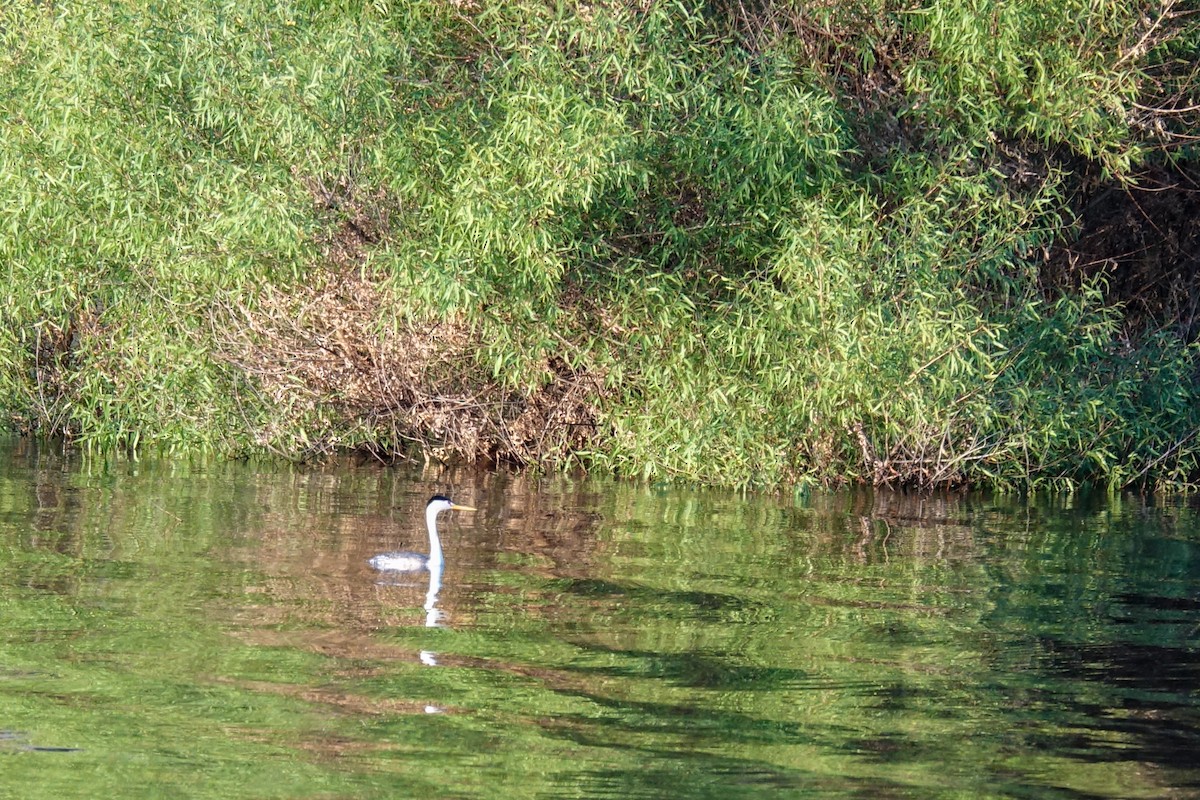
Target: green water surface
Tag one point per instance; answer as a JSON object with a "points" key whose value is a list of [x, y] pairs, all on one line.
{"points": [[181, 630]]}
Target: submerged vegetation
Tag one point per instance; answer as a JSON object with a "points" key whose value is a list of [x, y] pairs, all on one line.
{"points": [[921, 242]]}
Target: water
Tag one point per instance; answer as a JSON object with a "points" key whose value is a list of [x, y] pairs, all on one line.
{"points": [[213, 630]]}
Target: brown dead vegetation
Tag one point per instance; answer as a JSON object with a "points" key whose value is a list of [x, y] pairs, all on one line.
{"points": [[328, 359]]}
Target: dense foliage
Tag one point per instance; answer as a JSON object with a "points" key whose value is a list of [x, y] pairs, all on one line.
{"points": [[747, 244]]}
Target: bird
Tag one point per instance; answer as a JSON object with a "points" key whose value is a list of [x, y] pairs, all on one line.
{"points": [[415, 562]]}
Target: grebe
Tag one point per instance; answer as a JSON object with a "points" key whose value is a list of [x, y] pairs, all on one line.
{"points": [[415, 562]]}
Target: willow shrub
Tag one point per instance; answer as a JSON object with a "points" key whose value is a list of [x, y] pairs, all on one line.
{"points": [[861, 351], [150, 166], [1061, 73], [666, 199], [869, 351]]}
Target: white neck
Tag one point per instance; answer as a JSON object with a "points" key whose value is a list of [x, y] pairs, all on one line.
{"points": [[435, 543]]}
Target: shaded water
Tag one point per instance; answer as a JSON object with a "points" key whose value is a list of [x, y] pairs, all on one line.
{"points": [[215, 631]]}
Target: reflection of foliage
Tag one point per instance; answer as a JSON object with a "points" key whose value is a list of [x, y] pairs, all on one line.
{"points": [[212, 630]]}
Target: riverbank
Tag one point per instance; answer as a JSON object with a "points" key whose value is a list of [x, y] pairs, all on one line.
{"points": [[866, 242]]}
